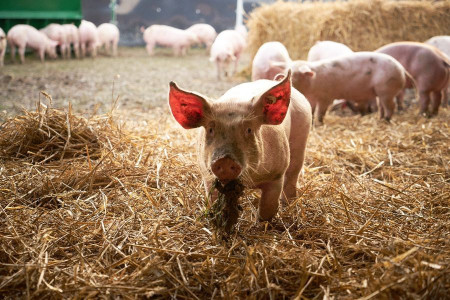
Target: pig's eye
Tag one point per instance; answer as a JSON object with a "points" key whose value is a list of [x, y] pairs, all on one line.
{"points": [[249, 131], [211, 131]]}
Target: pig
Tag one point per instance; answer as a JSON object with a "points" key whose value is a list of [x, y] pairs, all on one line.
{"points": [[330, 49], [257, 131], [429, 68], [327, 49], [442, 42], [57, 33], [72, 38], [177, 39], [227, 48], [2, 46], [358, 77], [22, 36], [242, 30], [109, 37], [89, 39], [205, 33], [265, 63]]}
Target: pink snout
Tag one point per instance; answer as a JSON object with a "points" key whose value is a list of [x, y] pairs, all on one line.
{"points": [[226, 169]]}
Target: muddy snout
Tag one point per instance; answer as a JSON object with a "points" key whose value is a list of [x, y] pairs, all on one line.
{"points": [[226, 169]]}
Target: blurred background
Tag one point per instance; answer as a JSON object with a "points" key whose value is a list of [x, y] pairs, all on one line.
{"points": [[132, 14]]}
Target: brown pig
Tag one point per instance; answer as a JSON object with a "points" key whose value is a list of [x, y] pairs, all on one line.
{"points": [[429, 68], [257, 131], [358, 77]]}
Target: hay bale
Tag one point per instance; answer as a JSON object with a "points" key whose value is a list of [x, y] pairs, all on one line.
{"points": [[360, 24]]}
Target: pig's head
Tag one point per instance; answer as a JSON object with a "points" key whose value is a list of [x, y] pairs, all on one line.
{"points": [[302, 74], [193, 38], [51, 48], [231, 142]]}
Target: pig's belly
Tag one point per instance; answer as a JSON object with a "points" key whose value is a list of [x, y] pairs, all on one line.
{"points": [[354, 89]]}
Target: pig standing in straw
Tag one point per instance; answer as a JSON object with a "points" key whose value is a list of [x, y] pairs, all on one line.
{"points": [[21, 36], [257, 132]]}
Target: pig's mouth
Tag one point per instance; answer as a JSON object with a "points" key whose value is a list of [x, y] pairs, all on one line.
{"points": [[226, 169]]}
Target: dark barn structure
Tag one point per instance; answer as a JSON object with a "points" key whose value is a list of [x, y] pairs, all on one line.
{"points": [[132, 14]]}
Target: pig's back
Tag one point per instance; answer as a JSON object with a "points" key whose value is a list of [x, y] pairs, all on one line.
{"points": [[231, 37], [165, 35], [441, 42], [327, 50]]}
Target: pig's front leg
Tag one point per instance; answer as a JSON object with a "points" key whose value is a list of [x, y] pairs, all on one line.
{"points": [[270, 195]]}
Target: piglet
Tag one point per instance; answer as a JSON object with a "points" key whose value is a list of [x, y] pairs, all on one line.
{"points": [[428, 66], [162, 35], [226, 49], [21, 36], [359, 77], [256, 132], [109, 37], [72, 38], [57, 33], [206, 34], [89, 40], [266, 61]]}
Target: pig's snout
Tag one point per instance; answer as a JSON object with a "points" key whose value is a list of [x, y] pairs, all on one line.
{"points": [[226, 169]]}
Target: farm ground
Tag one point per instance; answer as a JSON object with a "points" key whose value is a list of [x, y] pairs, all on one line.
{"points": [[126, 219]]}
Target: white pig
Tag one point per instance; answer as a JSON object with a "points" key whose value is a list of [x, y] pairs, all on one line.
{"points": [[109, 37], [2, 46], [327, 49], [330, 49], [442, 42], [206, 34], [257, 131], [73, 38], [22, 36], [57, 33], [177, 39], [89, 39], [265, 63], [242, 30], [227, 48], [359, 77]]}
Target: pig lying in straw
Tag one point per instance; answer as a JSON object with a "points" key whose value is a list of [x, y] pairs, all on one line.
{"points": [[257, 131]]}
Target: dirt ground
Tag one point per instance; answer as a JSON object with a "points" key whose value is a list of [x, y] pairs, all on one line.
{"points": [[140, 81], [123, 216]]}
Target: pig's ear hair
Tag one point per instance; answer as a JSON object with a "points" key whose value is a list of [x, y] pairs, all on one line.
{"points": [[305, 70], [273, 104], [187, 108]]}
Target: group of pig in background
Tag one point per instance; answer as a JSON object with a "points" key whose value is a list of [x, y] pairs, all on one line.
{"points": [[86, 38], [366, 80], [225, 48]]}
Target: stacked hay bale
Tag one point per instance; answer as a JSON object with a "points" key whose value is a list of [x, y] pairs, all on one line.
{"points": [[362, 25]]}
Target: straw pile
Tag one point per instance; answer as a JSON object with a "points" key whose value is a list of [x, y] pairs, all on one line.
{"points": [[371, 220], [362, 25]]}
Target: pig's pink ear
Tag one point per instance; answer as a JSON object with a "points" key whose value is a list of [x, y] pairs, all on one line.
{"points": [[187, 108], [275, 102]]}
